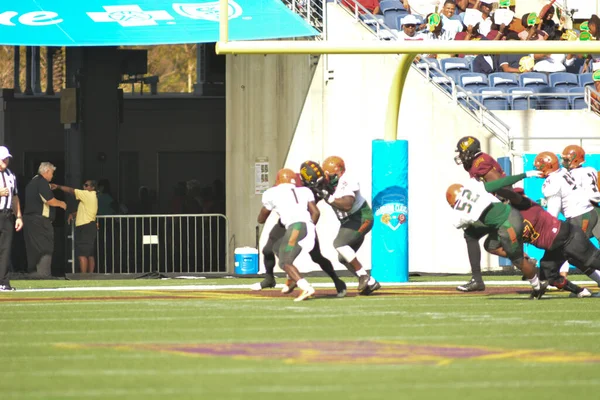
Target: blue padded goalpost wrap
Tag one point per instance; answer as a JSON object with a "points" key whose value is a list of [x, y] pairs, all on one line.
{"points": [[389, 248]]}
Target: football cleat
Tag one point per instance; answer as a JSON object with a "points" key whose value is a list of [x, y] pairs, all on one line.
{"points": [[288, 287], [371, 288], [340, 287], [471, 286], [268, 282], [584, 293], [305, 294], [363, 282], [7, 288], [537, 294]]}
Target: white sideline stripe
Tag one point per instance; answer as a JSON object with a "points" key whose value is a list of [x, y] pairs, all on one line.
{"points": [[279, 286]]}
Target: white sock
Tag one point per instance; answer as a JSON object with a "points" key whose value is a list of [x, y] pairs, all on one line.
{"points": [[535, 283], [371, 281], [564, 267], [361, 272], [595, 276], [303, 284]]}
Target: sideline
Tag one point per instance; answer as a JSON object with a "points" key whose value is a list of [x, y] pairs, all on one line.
{"points": [[279, 286]]}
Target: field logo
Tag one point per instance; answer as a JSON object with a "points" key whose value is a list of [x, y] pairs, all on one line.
{"points": [[390, 207], [207, 11], [130, 15]]}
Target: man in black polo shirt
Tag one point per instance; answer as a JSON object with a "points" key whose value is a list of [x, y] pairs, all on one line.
{"points": [[39, 214], [9, 207]]}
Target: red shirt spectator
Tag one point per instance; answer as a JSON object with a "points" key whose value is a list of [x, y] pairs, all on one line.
{"points": [[371, 5]]}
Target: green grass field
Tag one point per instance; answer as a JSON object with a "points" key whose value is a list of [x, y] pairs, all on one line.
{"points": [[419, 342]]}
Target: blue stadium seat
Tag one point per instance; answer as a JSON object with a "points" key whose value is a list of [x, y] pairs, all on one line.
{"points": [[386, 5], [393, 11], [521, 98], [527, 79], [472, 80], [563, 79], [503, 79], [455, 63], [577, 98], [494, 98], [585, 79], [555, 98]]}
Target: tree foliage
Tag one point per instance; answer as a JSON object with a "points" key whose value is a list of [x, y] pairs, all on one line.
{"points": [[174, 65]]}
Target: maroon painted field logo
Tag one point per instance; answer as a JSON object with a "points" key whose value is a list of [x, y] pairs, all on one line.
{"points": [[353, 352]]}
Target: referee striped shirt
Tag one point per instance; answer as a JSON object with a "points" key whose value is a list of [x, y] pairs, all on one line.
{"points": [[7, 179]]}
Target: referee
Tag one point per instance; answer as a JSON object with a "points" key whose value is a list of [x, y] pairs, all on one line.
{"points": [[9, 206]]}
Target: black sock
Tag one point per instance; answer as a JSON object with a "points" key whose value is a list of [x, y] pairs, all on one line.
{"points": [[474, 252], [325, 265], [269, 260]]}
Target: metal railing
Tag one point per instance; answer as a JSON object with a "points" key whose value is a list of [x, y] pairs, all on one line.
{"points": [[312, 11], [179, 244]]}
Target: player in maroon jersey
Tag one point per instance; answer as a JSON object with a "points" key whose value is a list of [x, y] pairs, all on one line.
{"points": [[483, 167], [561, 241]]}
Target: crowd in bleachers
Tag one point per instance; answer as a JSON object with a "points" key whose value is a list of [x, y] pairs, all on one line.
{"points": [[559, 78]]}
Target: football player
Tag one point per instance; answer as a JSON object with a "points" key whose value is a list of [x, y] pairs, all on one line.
{"points": [[298, 213], [483, 167], [474, 203], [562, 194], [355, 216], [312, 176], [559, 239]]}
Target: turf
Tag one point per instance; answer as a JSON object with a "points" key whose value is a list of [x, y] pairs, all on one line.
{"points": [[402, 342]]}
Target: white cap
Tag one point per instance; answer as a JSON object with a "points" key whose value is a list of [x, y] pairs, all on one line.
{"points": [[409, 19], [4, 153], [488, 1]]}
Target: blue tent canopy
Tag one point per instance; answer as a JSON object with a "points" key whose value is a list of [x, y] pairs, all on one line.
{"points": [[142, 22]]}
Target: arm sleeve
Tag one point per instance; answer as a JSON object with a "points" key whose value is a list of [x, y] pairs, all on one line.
{"points": [[554, 204], [500, 183], [266, 201]]}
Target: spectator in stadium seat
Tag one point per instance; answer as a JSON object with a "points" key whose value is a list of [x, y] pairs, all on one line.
{"points": [[595, 100], [548, 25], [531, 31], [409, 29], [510, 62], [371, 5], [450, 21], [485, 6], [435, 29], [422, 7], [594, 26], [486, 63]]}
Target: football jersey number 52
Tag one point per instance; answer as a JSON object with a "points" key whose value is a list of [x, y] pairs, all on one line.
{"points": [[466, 201]]}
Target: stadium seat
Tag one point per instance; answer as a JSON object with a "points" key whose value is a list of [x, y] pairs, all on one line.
{"points": [[393, 11], [455, 63], [554, 98], [585, 79], [577, 98], [563, 79], [522, 99], [503, 79], [527, 79], [494, 98], [472, 80], [386, 5]]}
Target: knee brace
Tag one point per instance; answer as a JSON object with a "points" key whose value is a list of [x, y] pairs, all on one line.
{"points": [[346, 252]]}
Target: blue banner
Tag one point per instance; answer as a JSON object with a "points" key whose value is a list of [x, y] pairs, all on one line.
{"points": [[389, 247], [533, 190], [143, 22]]}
